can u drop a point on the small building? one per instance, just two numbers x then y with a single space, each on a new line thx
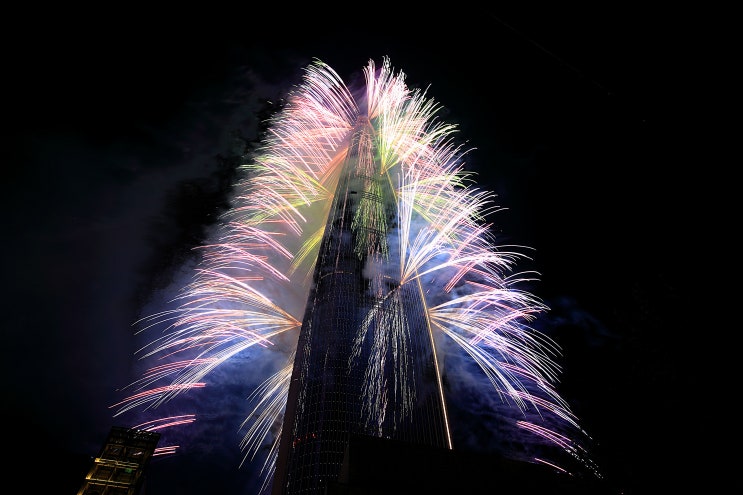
120 466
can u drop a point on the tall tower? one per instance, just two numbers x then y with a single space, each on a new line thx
365 361
354 238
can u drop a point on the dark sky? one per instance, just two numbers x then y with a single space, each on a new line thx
123 133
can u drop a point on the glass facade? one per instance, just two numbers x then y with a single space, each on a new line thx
365 361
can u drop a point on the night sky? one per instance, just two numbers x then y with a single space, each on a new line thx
124 134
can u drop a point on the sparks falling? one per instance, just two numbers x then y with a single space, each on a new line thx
267 248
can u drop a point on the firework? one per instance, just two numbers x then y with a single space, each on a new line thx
251 286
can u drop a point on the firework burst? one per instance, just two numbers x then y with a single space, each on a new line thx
251 285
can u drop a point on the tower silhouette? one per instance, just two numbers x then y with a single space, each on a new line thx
365 361
357 249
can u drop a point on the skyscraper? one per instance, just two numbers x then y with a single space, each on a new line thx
365 360
358 247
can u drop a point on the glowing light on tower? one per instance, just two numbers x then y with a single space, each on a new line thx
420 248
